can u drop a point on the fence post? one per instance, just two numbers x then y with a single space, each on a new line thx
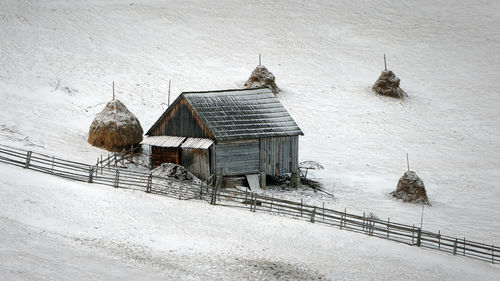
254 202
201 190
313 214
212 195
439 239
341 216
117 179
251 201
301 203
215 195
180 191
213 199
455 247
131 153
492 254
52 168
464 246
345 216
272 201
388 223
364 222
323 211
91 173
419 236
96 168
413 234
148 186
28 159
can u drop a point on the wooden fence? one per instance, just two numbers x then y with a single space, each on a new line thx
102 173
123 178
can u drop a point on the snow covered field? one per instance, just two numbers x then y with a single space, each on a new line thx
58 229
59 58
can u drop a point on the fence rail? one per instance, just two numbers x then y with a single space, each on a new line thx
114 176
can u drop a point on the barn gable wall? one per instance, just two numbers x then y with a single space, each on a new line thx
181 120
279 155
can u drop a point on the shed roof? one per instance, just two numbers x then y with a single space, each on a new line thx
183 142
198 143
164 141
242 113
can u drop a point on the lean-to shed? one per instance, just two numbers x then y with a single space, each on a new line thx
226 133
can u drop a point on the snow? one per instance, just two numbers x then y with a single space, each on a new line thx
59 59
71 230
115 114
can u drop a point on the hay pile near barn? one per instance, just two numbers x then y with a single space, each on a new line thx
388 85
411 189
261 77
178 172
115 128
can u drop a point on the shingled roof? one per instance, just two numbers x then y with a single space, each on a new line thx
242 113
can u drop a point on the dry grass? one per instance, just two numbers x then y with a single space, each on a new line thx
115 128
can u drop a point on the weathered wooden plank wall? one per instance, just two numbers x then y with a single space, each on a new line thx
237 157
197 162
181 120
161 155
279 155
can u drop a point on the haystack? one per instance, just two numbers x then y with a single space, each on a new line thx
411 189
388 85
115 128
261 77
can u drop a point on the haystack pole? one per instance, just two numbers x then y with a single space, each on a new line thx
169 83
388 84
261 77
115 128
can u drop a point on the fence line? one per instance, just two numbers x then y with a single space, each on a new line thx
182 190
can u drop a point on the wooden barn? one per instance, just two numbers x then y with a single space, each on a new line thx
228 133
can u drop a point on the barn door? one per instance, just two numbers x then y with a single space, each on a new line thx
197 161
161 155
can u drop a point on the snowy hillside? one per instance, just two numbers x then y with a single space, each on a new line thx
59 59
74 231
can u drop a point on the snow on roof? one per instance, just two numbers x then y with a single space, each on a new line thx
172 141
242 113
163 141
199 143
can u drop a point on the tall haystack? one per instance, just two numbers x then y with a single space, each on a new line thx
411 189
388 85
261 77
115 128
